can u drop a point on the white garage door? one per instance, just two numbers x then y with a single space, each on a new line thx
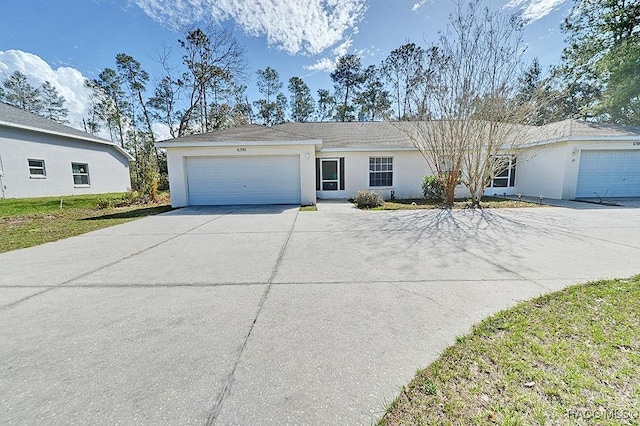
243 180
609 174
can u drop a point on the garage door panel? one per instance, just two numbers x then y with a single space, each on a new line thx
243 180
614 173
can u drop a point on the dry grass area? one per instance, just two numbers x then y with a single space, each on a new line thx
27 222
568 358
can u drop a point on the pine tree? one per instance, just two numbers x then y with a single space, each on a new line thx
53 104
301 101
21 94
347 78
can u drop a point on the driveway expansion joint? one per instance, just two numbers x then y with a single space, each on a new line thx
85 274
215 411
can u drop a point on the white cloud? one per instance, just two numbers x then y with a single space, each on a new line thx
532 10
418 5
324 64
308 26
327 65
342 48
161 131
68 81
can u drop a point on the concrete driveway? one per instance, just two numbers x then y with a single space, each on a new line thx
267 315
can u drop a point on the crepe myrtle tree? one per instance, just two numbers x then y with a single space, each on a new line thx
474 122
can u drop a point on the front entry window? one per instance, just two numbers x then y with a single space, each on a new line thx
330 174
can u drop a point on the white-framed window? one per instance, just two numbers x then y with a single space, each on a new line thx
36 168
80 173
380 171
506 178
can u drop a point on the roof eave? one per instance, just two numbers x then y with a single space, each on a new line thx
627 138
368 149
222 144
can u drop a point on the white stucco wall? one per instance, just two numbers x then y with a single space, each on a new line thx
552 171
176 159
540 171
409 169
108 168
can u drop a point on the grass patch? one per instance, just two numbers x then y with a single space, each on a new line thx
421 204
312 208
572 357
26 222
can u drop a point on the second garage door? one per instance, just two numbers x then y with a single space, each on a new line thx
609 174
243 180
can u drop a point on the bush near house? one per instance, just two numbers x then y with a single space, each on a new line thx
432 189
368 199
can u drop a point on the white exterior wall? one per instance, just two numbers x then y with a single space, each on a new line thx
540 171
409 169
552 171
108 168
176 159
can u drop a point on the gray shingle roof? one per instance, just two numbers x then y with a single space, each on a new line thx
389 135
11 116
248 133
332 135
584 129
372 134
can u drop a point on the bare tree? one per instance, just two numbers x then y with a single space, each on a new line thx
474 124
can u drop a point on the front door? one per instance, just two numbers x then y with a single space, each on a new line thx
329 174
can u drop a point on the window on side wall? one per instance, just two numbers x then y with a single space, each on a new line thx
380 171
80 174
36 169
506 178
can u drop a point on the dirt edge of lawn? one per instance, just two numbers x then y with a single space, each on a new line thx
570 357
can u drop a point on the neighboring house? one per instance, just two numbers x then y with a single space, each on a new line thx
39 157
297 163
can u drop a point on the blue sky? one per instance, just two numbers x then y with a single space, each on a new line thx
64 41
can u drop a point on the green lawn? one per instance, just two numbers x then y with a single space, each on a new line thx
571 357
27 222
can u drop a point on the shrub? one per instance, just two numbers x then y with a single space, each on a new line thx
432 188
104 203
368 199
129 198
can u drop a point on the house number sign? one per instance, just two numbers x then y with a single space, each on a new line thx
637 143
241 149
